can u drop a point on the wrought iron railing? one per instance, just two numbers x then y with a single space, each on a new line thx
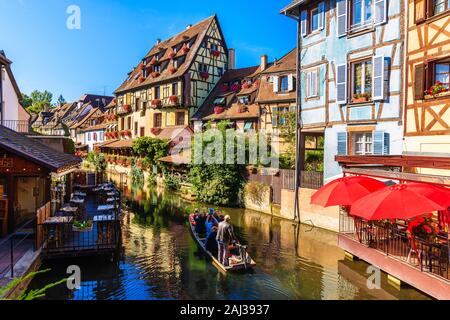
392 239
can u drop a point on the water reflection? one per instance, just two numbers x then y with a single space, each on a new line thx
161 260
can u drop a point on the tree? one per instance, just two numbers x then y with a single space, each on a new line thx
152 149
60 101
287 129
26 101
39 101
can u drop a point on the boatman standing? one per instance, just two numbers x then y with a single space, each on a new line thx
225 236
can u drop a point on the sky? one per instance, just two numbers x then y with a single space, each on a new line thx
115 35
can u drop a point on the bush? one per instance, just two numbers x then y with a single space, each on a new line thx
137 175
171 182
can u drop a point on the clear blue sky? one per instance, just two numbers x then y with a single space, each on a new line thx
116 34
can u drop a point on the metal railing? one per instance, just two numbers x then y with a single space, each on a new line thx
21 126
9 248
391 239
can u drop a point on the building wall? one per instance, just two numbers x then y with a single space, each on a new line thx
89 138
324 50
12 108
427 118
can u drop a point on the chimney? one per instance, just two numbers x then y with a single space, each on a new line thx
231 59
158 41
189 26
263 62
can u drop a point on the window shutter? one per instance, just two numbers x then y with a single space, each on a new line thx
420 9
276 86
419 77
342 145
378 77
381 143
274 117
341 83
321 7
291 82
315 83
380 12
341 9
304 23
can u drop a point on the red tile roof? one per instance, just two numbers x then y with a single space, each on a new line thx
196 32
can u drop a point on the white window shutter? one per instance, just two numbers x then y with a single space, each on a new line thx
315 83
378 77
290 82
308 84
380 12
276 86
321 7
381 143
341 13
304 23
341 83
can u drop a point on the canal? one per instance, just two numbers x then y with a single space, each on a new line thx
160 260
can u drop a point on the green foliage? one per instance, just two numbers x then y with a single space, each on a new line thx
288 134
151 149
26 101
70 146
287 161
60 101
32 294
97 160
255 191
314 160
171 182
151 180
39 101
137 175
218 184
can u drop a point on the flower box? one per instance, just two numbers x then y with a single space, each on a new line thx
85 226
156 103
224 88
155 131
141 79
127 108
173 99
128 134
246 85
141 66
153 61
204 75
236 87
185 48
172 70
172 54
360 100
215 53
156 74
218 110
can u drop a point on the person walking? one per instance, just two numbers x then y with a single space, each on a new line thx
225 237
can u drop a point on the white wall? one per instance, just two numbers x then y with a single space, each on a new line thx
10 98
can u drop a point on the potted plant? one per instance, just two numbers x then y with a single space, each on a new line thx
173 99
141 66
361 97
423 228
172 70
218 109
437 90
172 54
185 48
155 131
156 103
204 75
127 108
215 53
82 226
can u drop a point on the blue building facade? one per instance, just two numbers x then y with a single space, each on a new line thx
352 75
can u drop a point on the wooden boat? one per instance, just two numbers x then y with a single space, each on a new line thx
236 261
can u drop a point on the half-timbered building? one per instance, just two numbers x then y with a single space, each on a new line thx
351 54
427 128
172 81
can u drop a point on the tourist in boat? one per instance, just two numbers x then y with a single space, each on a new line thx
211 221
200 223
211 242
225 237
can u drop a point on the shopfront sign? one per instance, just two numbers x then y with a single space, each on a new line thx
6 163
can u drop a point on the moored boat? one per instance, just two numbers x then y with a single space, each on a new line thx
236 261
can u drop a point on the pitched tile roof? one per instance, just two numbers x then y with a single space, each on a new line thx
286 65
206 111
36 151
196 32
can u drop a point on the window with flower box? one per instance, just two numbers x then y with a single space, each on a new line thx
158 92
425 9
432 80
157 120
361 77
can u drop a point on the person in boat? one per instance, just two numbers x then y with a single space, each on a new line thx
225 237
200 223
211 221
211 242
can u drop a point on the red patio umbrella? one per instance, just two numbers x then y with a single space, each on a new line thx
395 202
437 194
345 191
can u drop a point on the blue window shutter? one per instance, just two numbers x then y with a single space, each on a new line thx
341 84
341 9
304 23
381 143
380 12
342 144
378 77
321 7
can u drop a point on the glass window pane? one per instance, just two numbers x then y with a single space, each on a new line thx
356 12
368 10
368 77
357 78
315 19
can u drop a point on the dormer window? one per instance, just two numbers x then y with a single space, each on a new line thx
220 101
244 100
214 47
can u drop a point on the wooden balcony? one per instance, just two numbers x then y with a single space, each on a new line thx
21 126
421 264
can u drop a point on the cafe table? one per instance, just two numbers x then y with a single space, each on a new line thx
105 208
60 226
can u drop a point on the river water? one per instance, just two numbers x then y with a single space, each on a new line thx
161 261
